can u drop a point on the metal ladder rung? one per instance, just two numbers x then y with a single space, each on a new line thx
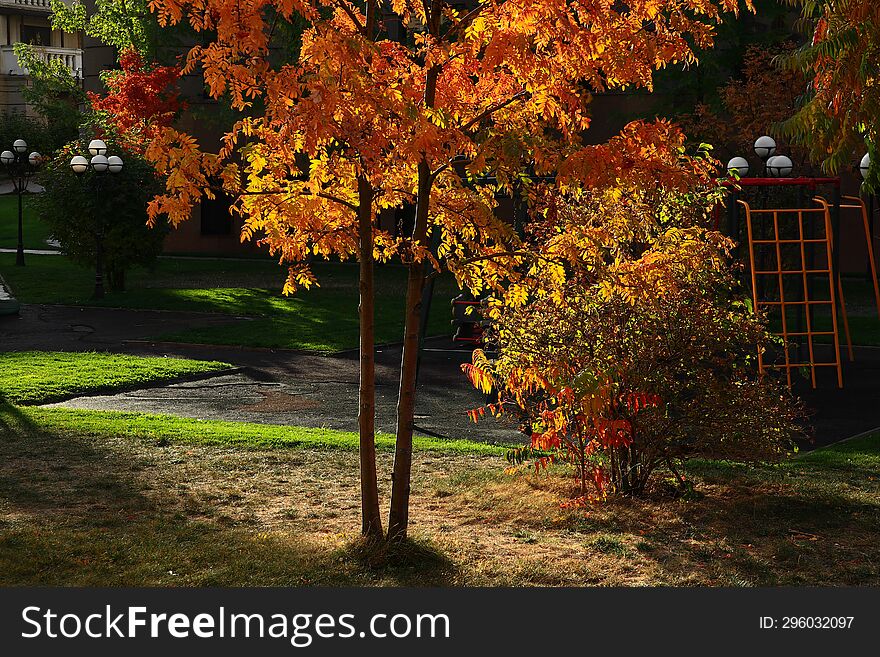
815 241
822 302
793 271
808 333
792 366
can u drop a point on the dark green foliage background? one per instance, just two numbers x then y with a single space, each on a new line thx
40 136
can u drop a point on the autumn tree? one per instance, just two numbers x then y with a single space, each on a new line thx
625 346
358 123
140 96
840 117
682 88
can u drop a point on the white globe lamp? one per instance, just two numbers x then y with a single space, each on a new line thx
765 147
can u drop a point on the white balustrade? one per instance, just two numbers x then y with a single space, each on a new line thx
42 5
71 58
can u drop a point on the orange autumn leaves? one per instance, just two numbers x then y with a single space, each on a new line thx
514 81
607 339
480 100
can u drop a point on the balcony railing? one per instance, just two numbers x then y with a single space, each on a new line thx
71 58
29 5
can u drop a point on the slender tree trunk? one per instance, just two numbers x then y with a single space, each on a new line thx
371 526
398 519
116 279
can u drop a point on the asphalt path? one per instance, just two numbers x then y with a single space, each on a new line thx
288 387
272 386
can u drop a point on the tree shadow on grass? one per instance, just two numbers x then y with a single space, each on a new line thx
750 535
411 561
87 511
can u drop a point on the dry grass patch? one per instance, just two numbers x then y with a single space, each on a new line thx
89 510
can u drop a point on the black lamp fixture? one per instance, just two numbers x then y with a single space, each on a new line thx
99 164
20 167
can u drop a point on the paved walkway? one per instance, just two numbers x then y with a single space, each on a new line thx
33 251
843 412
72 328
9 188
276 386
285 387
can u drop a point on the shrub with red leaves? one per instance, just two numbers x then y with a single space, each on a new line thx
141 99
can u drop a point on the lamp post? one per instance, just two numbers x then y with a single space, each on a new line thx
100 165
20 167
864 167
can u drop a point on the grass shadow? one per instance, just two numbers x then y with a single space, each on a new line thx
805 526
91 511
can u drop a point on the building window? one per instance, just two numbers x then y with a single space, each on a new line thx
215 217
36 36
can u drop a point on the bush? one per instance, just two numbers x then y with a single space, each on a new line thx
631 387
72 207
624 347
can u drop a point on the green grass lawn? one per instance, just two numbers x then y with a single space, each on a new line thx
41 377
35 231
106 498
169 429
323 319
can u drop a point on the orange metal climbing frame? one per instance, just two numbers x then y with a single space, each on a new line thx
822 217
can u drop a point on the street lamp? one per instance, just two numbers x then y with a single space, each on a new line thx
97 147
765 147
779 166
740 165
864 165
20 167
100 165
776 166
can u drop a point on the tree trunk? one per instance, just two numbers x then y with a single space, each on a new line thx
398 519
371 519
116 279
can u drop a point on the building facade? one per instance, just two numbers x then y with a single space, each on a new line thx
27 21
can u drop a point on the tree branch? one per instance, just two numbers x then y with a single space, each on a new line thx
489 111
344 6
465 20
324 195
